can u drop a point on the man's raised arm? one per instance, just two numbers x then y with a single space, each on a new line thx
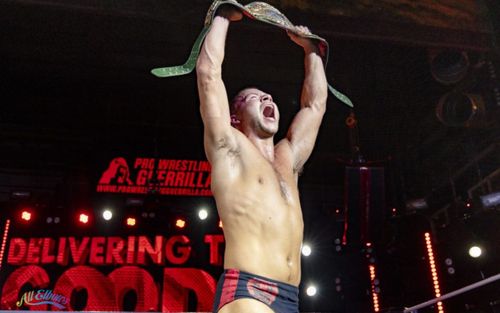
214 105
305 126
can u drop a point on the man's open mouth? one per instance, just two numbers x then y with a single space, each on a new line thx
268 111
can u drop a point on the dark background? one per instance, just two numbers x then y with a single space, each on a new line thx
76 92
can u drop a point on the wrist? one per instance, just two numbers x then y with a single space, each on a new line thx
229 13
311 47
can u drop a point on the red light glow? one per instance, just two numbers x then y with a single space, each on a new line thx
131 221
4 241
83 218
180 223
26 215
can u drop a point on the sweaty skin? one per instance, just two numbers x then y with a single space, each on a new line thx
254 181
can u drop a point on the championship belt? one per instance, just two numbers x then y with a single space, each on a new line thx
259 11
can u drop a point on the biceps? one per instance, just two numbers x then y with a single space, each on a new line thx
305 125
219 137
214 108
213 98
303 133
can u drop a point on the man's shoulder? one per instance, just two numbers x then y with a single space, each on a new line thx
283 146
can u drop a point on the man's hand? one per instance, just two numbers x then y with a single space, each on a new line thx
230 12
297 36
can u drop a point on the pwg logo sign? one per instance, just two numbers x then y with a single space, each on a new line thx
164 176
42 296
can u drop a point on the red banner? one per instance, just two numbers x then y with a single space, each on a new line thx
130 259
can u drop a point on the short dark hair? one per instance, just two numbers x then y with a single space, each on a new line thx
234 105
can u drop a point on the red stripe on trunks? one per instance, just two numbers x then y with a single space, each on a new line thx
229 287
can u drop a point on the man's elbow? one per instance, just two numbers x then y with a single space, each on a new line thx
318 105
206 72
320 111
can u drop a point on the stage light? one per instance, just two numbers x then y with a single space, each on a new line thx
131 221
20 194
458 109
53 219
83 218
26 215
306 250
220 224
135 202
491 200
374 287
180 223
475 251
107 215
338 247
311 291
417 204
4 241
394 210
449 266
338 285
203 214
434 274
148 214
448 66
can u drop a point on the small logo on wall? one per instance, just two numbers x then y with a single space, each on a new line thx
42 296
117 173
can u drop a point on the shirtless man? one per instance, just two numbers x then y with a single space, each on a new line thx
254 181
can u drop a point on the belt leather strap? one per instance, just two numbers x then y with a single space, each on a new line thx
260 11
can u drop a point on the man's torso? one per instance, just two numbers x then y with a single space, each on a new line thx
259 206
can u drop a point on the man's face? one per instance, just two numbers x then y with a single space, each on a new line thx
257 112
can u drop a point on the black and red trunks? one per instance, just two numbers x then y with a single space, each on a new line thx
234 284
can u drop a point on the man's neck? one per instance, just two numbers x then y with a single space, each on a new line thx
265 146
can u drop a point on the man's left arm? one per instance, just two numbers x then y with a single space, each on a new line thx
305 125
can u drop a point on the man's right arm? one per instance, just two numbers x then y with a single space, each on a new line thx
214 105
